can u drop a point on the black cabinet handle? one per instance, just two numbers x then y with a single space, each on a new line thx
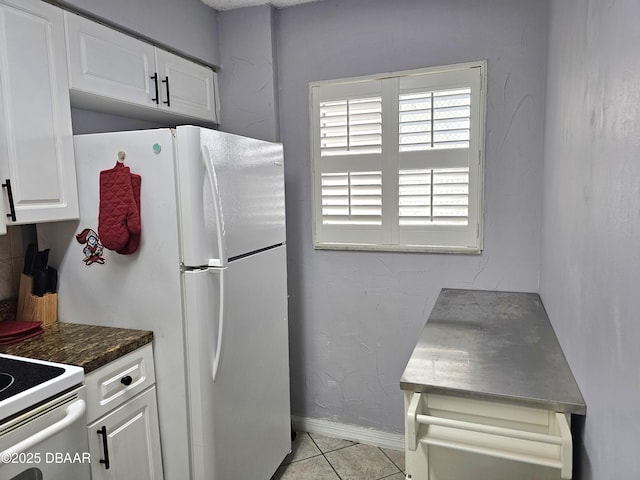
7 185
154 77
168 102
105 448
126 380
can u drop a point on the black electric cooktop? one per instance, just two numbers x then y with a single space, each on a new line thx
19 375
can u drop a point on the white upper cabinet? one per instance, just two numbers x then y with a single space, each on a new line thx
37 165
104 61
114 72
185 86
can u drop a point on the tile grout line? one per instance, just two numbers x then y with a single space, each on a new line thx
390 459
392 463
348 446
325 457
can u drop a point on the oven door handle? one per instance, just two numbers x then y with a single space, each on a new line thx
74 412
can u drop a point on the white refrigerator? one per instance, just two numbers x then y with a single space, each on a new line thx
208 278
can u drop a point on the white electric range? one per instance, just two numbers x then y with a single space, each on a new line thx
43 432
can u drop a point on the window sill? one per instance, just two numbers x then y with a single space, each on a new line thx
399 248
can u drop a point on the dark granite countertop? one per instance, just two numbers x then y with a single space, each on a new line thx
86 346
496 346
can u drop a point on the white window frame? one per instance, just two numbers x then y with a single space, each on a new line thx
389 235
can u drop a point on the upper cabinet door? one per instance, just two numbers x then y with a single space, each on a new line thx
110 63
114 72
186 87
36 147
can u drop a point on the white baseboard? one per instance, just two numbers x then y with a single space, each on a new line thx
368 436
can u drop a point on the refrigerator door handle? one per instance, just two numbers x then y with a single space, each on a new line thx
211 175
218 357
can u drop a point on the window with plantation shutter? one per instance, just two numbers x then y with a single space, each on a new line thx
397 160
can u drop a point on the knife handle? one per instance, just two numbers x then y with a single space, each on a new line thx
29 259
52 280
39 283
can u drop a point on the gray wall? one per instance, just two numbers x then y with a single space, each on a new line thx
11 263
591 221
355 316
185 26
248 78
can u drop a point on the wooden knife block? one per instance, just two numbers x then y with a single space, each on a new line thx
33 308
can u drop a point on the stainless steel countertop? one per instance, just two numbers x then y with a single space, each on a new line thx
496 346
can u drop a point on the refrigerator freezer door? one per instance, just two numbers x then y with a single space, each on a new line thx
240 423
247 190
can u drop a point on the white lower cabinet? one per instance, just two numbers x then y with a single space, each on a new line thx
127 441
122 411
450 437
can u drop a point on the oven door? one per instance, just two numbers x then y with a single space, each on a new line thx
48 442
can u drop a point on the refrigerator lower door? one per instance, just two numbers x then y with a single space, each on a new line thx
239 422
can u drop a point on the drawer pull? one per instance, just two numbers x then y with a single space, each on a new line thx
126 380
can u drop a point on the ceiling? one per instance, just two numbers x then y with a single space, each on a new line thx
231 4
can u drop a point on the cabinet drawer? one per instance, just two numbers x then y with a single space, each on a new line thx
119 381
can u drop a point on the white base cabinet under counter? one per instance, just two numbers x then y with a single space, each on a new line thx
122 416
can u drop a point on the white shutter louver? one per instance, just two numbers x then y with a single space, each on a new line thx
351 126
352 198
434 197
435 119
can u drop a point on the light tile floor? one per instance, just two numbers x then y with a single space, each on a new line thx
316 457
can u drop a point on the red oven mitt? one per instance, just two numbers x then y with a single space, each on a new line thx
134 238
119 216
